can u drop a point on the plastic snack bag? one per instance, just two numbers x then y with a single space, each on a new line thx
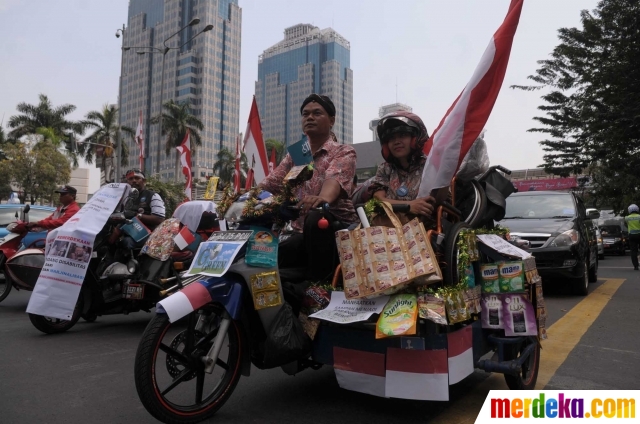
431 307
399 317
262 249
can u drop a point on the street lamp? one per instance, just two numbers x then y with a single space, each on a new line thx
117 155
164 52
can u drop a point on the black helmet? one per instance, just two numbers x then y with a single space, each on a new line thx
402 122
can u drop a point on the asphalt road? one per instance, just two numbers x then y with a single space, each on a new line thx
86 374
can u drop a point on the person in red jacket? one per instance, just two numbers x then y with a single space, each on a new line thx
66 210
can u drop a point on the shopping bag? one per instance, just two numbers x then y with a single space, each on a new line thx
381 260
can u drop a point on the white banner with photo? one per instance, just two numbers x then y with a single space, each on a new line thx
68 252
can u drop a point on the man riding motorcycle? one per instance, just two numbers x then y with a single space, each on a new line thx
66 210
148 207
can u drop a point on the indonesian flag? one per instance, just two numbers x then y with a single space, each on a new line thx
236 173
250 174
254 144
360 371
187 300
417 374
460 354
184 150
272 161
184 238
469 113
140 141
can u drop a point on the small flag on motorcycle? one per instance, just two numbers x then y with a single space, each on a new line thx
184 238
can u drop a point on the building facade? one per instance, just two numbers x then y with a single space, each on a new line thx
308 60
204 72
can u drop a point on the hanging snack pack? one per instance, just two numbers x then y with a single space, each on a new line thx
471 276
431 307
399 317
490 278
492 311
382 260
265 287
511 277
518 315
262 249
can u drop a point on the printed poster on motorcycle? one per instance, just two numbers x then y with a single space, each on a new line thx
68 252
214 258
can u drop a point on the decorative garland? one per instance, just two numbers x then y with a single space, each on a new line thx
372 208
467 251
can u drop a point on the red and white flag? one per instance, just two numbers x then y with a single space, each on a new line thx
236 172
469 113
184 150
360 371
417 374
254 144
184 238
272 161
460 354
187 300
140 142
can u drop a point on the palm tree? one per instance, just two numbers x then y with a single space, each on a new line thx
104 124
281 150
176 120
226 165
44 115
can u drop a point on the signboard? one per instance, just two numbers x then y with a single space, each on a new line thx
67 254
343 311
546 184
212 187
300 152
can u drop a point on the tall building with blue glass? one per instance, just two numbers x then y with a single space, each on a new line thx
204 72
308 60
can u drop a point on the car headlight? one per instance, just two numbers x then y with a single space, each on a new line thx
617 239
567 238
599 240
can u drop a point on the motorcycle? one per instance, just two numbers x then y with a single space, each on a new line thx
122 287
10 246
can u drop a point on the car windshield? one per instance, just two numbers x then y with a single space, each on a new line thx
8 215
540 206
610 230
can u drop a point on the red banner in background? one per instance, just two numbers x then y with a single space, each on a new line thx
546 184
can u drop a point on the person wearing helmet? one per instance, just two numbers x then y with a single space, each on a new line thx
633 223
402 136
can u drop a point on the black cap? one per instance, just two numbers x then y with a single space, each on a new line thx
323 101
67 189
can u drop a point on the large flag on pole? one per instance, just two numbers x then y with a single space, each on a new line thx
272 161
184 150
469 113
250 174
236 172
140 142
254 144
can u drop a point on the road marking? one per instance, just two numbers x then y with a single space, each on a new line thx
616 267
564 335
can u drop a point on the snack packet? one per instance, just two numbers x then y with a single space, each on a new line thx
471 276
511 277
262 249
490 278
315 299
399 317
518 315
265 289
431 307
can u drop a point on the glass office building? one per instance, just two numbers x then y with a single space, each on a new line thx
308 60
204 72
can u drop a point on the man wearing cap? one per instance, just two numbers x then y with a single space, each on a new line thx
334 166
66 210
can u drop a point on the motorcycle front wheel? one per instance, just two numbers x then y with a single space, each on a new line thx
49 325
5 282
170 375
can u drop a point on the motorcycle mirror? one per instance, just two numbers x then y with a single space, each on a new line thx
132 266
16 215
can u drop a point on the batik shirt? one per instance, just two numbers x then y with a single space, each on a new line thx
399 184
331 161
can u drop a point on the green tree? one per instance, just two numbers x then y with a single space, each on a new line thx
36 167
225 166
281 149
176 120
104 127
591 113
171 193
45 115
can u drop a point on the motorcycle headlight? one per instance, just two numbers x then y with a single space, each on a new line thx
567 238
600 240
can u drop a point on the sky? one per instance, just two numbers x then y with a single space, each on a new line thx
417 52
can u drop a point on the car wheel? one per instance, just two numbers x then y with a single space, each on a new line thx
593 273
581 284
